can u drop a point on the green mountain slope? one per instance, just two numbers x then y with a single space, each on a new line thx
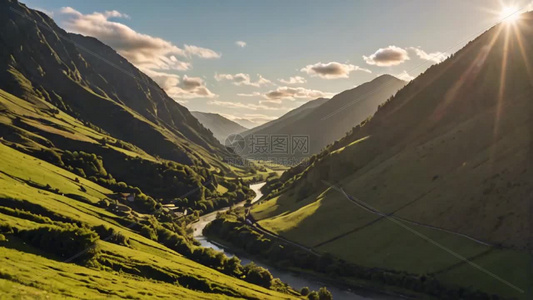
440 173
113 259
348 109
88 158
218 125
39 59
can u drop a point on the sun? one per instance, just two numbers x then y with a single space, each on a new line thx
510 14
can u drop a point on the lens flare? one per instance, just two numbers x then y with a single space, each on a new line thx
510 14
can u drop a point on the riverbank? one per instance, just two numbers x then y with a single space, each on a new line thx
295 278
231 228
340 288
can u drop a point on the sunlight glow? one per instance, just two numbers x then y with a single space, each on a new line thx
510 14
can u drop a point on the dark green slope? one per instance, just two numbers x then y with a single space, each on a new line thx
91 81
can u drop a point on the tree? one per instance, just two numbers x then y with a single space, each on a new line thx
233 266
324 294
312 296
258 275
304 291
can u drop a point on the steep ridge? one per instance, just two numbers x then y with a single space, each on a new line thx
218 125
89 80
349 108
450 156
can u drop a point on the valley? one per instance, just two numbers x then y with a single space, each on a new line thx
185 150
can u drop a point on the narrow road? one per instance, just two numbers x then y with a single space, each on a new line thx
391 215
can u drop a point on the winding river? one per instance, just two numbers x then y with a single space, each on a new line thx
296 280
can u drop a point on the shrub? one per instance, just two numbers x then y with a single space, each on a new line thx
313 296
304 291
72 242
324 294
258 275
110 235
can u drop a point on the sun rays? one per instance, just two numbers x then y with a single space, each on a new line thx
510 14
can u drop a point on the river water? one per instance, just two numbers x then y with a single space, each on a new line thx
295 280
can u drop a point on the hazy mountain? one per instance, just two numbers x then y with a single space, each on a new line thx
288 118
245 122
450 157
325 121
219 126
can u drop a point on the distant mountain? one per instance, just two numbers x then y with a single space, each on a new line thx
323 121
245 123
288 118
446 166
219 126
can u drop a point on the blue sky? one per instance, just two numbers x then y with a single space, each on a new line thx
321 44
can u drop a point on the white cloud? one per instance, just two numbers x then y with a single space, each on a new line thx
164 80
243 79
200 52
293 80
332 70
435 57
405 76
152 55
250 106
143 50
190 88
254 94
389 56
241 44
291 93
180 90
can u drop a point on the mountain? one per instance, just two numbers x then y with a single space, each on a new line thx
325 121
39 59
245 122
92 155
55 222
219 126
288 118
440 174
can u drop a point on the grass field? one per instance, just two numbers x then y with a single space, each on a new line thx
328 223
28 271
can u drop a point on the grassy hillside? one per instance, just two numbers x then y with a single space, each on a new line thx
35 194
86 78
447 162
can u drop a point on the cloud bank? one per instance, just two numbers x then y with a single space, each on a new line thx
435 57
243 79
293 80
144 51
332 70
389 56
291 93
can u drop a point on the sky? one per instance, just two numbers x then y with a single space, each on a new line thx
253 61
